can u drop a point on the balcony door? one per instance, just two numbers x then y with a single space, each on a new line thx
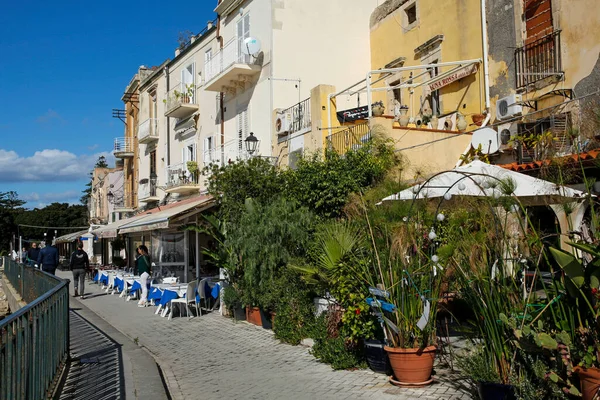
243 33
187 82
538 19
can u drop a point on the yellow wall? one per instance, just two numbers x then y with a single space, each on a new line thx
460 23
430 155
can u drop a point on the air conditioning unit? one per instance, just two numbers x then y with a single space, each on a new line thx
283 122
506 133
508 107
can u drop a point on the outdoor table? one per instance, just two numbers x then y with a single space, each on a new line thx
165 292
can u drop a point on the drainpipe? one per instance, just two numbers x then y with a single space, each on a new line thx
168 121
221 102
486 76
486 69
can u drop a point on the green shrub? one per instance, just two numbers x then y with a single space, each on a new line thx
231 297
295 316
337 353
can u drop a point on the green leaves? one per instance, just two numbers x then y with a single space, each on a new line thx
573 270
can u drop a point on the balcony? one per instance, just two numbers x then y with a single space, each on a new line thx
228 153
295 119
229 69
180 180
148 131
539 61
351 138
147 192
123 147
122 202
181 101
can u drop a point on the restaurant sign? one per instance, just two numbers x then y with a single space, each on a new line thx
455 76
353 114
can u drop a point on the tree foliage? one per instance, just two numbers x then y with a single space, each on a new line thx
9 206
55 214
87 192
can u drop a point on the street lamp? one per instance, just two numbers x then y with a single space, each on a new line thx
251 143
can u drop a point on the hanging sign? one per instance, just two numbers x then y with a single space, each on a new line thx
353 114
448 79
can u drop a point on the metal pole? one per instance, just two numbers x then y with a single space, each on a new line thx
20 248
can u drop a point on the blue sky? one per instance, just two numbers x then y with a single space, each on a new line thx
63 67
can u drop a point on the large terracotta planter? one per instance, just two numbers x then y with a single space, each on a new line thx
253 315
590 381
412 367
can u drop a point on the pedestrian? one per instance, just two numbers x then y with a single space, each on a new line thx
33 254
142 263
79 263
48 259
23 255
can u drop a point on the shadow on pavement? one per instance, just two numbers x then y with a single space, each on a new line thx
95 370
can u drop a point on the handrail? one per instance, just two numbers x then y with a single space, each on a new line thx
34 341
349 138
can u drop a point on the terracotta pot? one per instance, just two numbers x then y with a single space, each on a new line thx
590 381
412 366
403 120
478 119
461 122
448 124
253 315
377 110
434 121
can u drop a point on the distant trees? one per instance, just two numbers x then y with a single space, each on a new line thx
9 206
55 214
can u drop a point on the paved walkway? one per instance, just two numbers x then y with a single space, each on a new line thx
212 357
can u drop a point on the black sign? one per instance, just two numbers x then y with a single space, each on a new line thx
353 114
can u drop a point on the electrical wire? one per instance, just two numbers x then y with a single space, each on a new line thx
55 227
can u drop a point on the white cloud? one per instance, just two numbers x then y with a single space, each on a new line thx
51 197
48 165
93 147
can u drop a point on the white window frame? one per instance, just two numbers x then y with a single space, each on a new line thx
242 31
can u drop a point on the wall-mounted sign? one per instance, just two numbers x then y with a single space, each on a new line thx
352 114
448 79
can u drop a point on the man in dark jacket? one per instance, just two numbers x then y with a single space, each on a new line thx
48 259
79 264
33 253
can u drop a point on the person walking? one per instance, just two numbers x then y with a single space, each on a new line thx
33 254
142 263
48 259
23 256
79 263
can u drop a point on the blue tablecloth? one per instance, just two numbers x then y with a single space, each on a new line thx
104 279
135 287
155 294
167 296
96 277
119 283
215 291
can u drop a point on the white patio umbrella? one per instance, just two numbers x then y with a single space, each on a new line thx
479 179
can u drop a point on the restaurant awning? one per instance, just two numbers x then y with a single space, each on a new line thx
167 217
110 230
70 237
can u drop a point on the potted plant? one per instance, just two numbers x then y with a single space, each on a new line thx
231 298
378 108
192 167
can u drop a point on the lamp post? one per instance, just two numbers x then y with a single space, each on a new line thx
251 144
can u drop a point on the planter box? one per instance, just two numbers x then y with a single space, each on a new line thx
253 315
267 319
239 314
377 357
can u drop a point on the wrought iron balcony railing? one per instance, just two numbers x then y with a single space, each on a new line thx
538 60
299 115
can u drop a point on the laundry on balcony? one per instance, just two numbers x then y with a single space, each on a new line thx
184 124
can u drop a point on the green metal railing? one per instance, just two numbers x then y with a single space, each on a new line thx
34 341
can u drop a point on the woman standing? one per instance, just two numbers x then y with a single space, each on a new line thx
143 266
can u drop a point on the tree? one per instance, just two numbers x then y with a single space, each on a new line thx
87 192
9 206
55 214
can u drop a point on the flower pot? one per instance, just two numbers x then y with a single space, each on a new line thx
434 121
378 110
461 122
412 366
266 319
448 124
495 391
590 381
419 121
478 119
239 314
377 357
403 119
253 315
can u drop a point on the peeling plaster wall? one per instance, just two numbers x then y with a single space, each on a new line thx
502 42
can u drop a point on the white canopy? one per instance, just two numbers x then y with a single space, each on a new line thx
480 179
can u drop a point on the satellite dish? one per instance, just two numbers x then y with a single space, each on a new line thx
487 138
251 46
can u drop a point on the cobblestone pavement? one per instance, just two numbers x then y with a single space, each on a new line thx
212 357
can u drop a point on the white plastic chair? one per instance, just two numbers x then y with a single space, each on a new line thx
170 280
190 298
